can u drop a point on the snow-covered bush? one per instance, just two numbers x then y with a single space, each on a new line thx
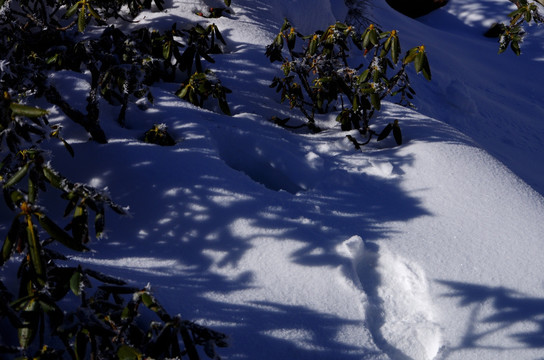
66 311
329 73
39 37
55 312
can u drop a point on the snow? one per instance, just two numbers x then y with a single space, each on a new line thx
297 245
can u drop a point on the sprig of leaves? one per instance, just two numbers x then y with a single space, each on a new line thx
321 74
512 35
84 11
201 86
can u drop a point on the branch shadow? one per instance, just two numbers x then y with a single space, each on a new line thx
475 16
196 219
510 309
200 209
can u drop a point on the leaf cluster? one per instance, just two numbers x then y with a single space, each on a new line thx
122 65
39 37
511 35
106 322
201 86
159 135
329 72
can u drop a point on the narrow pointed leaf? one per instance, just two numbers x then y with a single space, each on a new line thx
81 21
72 10
167 50
94 13
385 132
224 106
57 233
375 101
11 240
410 55
75 283
30 323
68 147
32 189
35 251
26 110
397 134
18 176
80 225
126 352
53 177
395 50
313 45
418 61
425 68
373 37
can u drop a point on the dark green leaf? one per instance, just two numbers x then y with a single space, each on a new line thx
18 176
28 111
425 68
57 233
373 37
30 323
285 25
515 47
189 344
291 39
94 13
15 199
395 49
99 222
68 147
219 36
35 251
167 50
126 352
224 106
385 132
375 101
72 10
397 134
11 240
75 283
183 92
410 55
418 61
72 203
81 20
313 45
80 224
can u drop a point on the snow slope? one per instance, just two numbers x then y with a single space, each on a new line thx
300 247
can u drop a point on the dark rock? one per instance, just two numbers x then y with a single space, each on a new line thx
416 8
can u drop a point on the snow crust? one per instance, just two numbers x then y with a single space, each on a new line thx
300 247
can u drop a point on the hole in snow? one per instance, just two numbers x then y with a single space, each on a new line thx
242 155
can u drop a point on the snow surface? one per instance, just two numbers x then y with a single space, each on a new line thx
300 247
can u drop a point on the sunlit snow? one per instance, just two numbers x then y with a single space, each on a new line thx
298 246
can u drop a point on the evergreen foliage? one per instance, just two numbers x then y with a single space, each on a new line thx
328 72
39 37
512 34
